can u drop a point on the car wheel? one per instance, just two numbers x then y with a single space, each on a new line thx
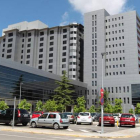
91 123
65 127
113 125
56 126
33 125
24 124
99 124
133 126
78 123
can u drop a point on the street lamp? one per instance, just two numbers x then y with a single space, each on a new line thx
20 92
102 106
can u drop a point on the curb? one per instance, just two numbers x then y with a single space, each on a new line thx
72 135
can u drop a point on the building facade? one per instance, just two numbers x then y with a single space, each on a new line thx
35 84
119 37
55 49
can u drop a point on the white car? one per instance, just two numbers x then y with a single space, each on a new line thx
84 117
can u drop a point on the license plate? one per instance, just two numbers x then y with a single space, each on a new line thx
83 120
25 115
106 122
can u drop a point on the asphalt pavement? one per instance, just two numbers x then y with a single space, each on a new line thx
75 132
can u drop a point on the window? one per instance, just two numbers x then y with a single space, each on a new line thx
51 49
39 67
64 66
2 55
51 55
22 45
22 40
50 60
51 37
127 88
116 90
42 39
128 100
64 30
63 59
112 89
21 56
41 33
28 51
123 89
10 34
3 50
28 45
92 83
52 32
64 48
120 89
9 51
10 40
28 56
65 42
21 51
29 34
124 101
27 62
23 35
51 43
50 66
40 61
64 36
29 39
40 55
64 54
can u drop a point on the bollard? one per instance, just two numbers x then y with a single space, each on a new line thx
139 120
117 123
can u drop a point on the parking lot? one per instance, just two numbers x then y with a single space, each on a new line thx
85 128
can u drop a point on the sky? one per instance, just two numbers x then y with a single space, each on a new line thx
58 12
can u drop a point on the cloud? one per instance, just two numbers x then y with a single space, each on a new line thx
64 23
112 6
65 18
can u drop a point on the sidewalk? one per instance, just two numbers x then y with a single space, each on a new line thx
119 134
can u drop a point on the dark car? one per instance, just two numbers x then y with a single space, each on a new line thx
21 116
96 118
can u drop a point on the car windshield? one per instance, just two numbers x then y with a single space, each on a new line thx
63 116
108 115
115 114
23 111
68 113
84 114
93 114
37 113
126 115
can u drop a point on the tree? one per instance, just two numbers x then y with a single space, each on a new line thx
137 109
24 105
63 92
50 105
92 109
39 106
106 101
109 108
118 106
131 111
60 107
3 105
80 107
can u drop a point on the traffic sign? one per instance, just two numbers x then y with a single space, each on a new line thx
102 96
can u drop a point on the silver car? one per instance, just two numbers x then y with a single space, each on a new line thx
51 119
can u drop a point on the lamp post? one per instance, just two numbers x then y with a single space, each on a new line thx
102 106
20 92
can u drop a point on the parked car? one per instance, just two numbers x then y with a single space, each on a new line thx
37 114
21 116
0 111
108 119
98 115
84 117
71 116
93 116
51 119
127 119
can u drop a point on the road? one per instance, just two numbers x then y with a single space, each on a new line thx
28 136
